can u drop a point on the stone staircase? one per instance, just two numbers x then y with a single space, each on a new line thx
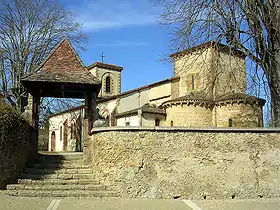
58 175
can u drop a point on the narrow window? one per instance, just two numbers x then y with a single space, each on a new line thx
230 123
157 121
192 82
60 133
171 123
127 124
108 85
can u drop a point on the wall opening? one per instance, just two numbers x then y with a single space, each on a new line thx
230 123
171 123
65 135
157 122
127 124
72 131
60 133
108 84
53 141
192 82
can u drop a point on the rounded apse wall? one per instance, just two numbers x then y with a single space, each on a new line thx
238 115
188 115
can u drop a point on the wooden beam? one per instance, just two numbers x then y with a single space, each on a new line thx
91 110
35 115
35 110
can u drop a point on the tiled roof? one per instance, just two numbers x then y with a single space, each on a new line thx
147 108
200 98
77 77
105 66
197 98
62 65
240 96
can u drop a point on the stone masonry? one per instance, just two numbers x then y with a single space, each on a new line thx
17 143
187 163
58 175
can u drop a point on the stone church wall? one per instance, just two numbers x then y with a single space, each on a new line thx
230 73
242 115
148 119
17 143
136 100
187 163
210 68
189 116
197 64
115 81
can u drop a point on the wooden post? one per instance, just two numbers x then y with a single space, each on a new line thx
35 115
91 110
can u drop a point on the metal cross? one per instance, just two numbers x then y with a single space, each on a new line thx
102 57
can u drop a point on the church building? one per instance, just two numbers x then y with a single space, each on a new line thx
208 89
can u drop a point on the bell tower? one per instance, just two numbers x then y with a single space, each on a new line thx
110 77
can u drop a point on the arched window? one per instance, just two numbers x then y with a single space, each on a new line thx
192 82
157 122
230 123
60 133
108 84
53 141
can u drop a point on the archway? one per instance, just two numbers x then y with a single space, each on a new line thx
63 75
53 141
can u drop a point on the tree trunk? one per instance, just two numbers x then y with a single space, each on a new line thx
274 83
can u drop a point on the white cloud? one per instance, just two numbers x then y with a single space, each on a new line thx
107 14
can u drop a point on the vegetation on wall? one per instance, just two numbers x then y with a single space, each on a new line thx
16 143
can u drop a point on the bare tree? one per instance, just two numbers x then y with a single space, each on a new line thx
29 29
251 26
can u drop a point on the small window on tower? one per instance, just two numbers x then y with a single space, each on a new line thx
193 82
230 123
108 85
157 121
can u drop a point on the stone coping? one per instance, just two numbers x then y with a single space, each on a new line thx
184 129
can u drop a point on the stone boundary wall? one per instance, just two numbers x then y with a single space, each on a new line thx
191 163
17 144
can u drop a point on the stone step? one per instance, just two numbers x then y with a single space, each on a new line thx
58 171
61 156
61 193
57 165
58 181
55 187
50 161
55 176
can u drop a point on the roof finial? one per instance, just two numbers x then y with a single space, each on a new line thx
102 57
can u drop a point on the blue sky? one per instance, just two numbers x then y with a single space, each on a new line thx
128 33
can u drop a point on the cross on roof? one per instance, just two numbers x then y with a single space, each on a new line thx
102 57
